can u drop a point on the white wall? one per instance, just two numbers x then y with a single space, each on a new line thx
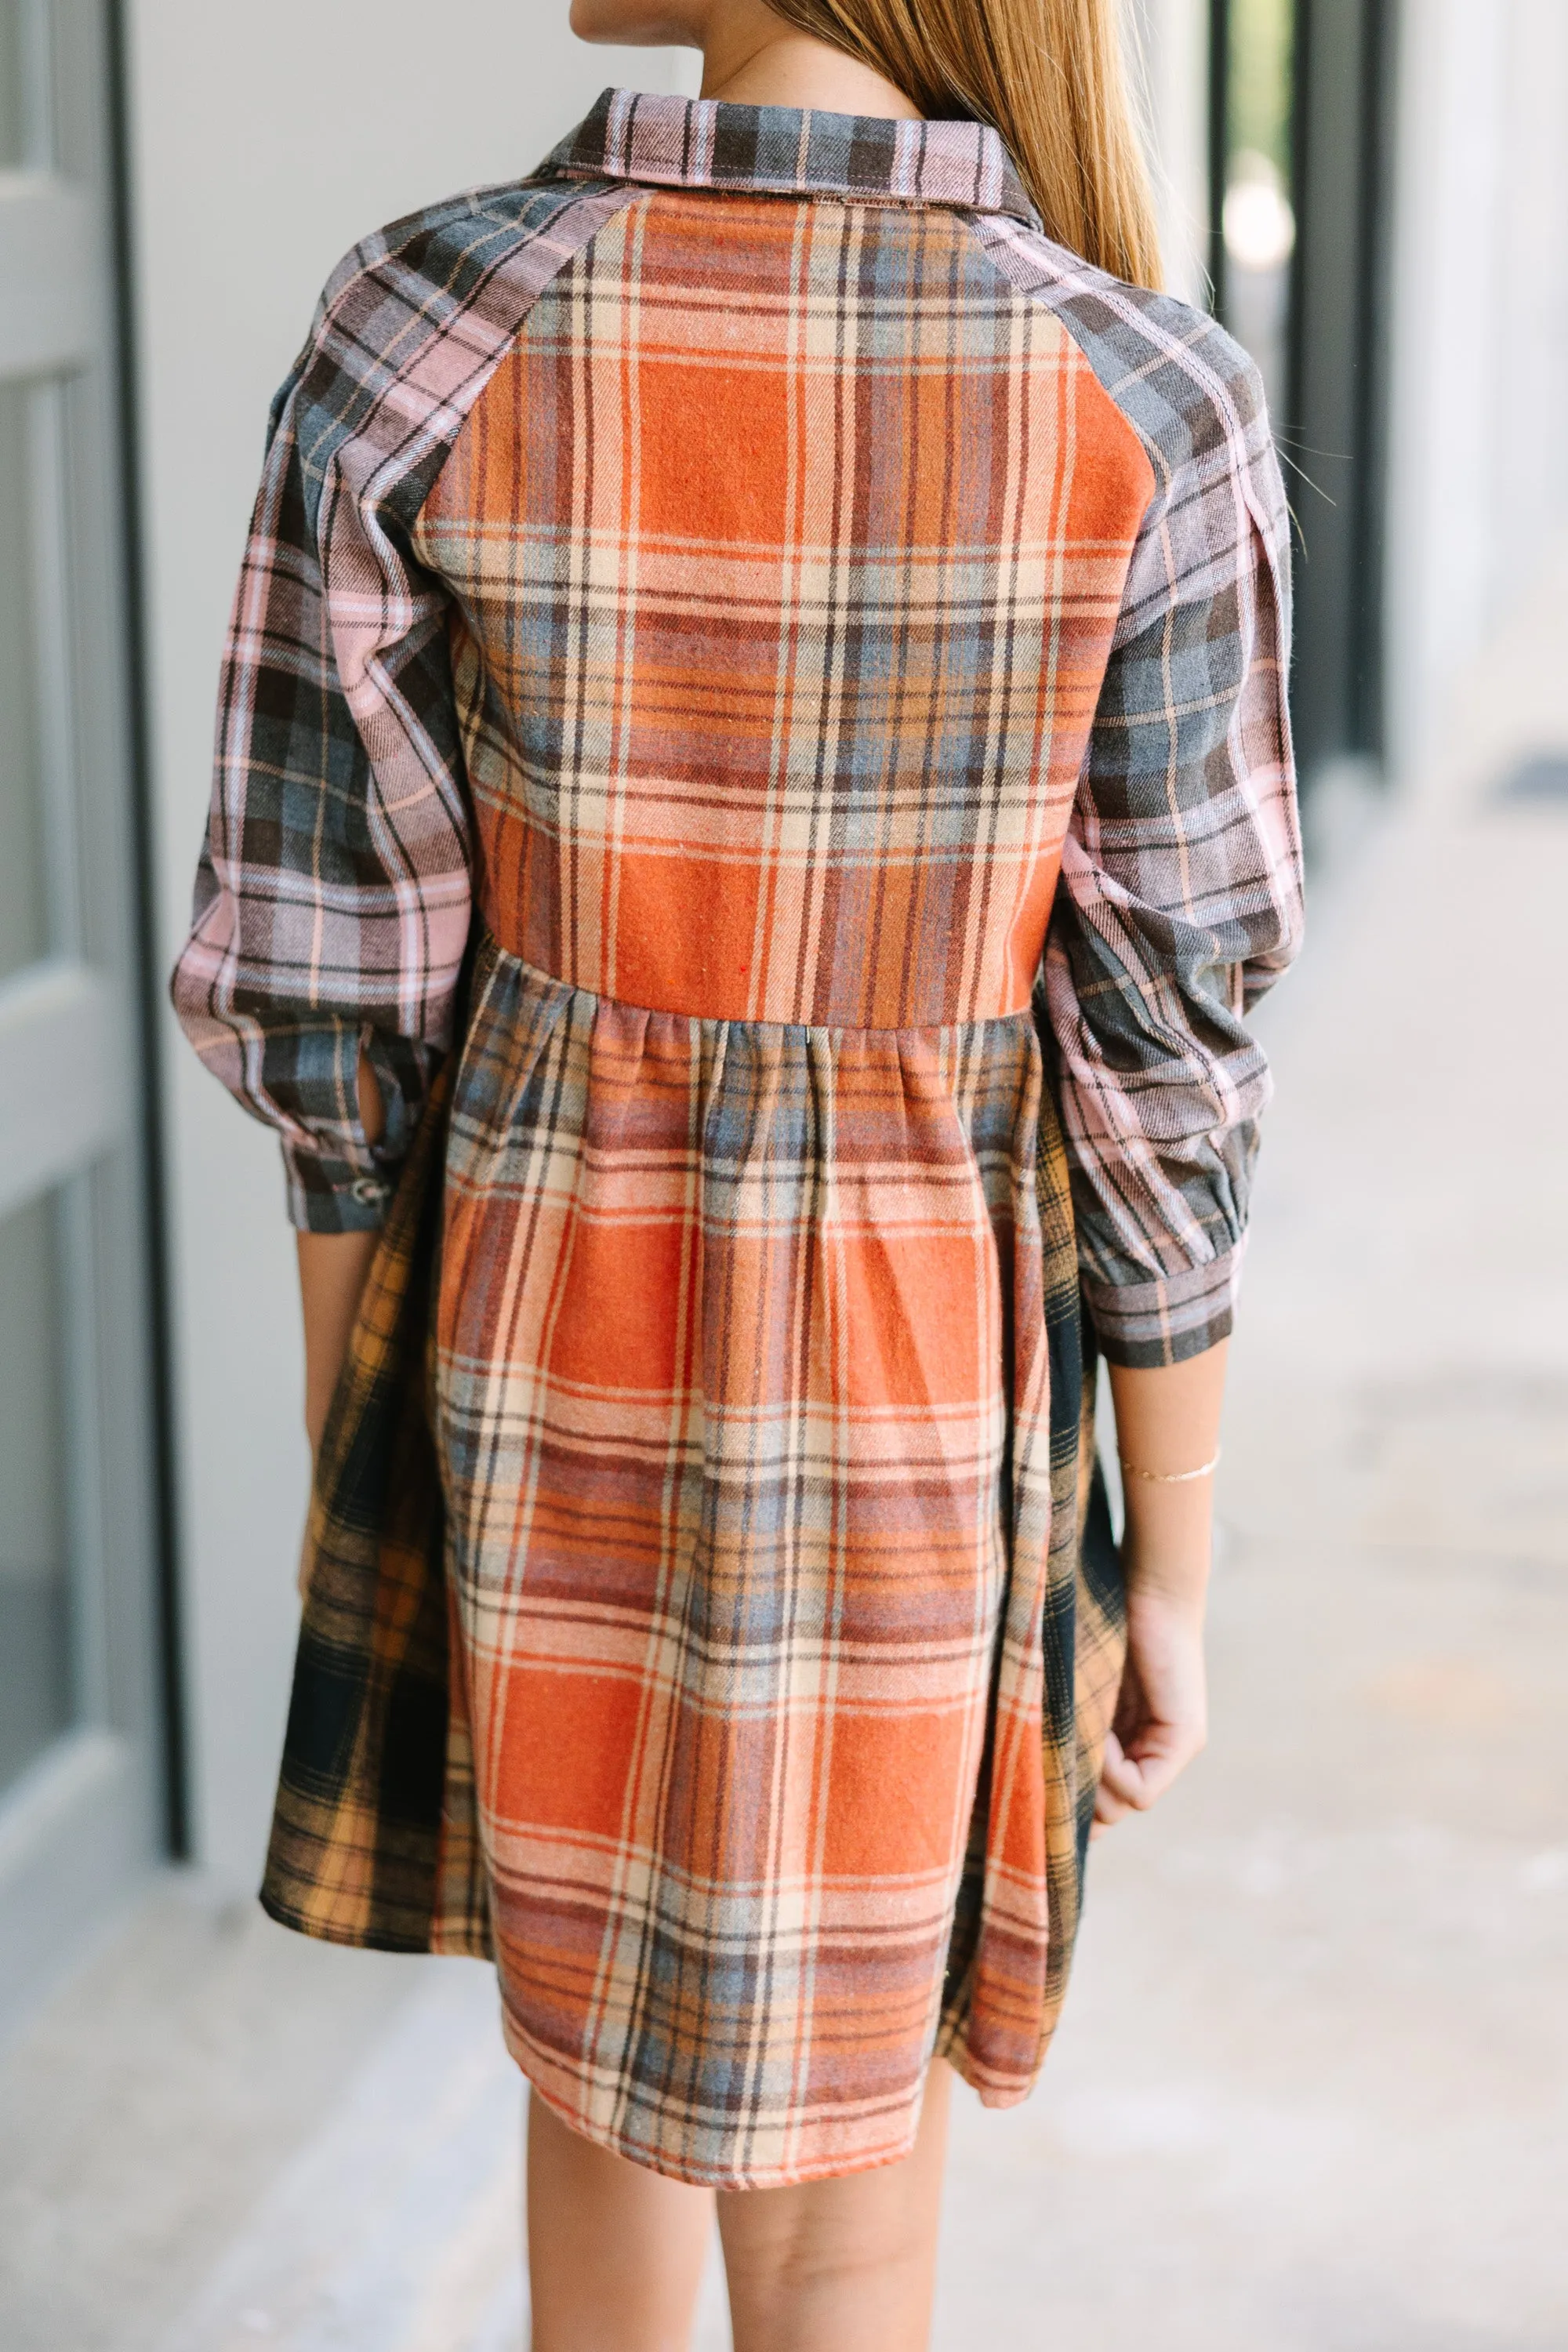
1479 467
267 139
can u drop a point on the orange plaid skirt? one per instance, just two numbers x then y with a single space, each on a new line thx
745 1694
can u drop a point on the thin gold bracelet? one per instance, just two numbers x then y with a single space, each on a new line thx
1174 1477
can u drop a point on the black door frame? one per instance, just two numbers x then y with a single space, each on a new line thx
1334 431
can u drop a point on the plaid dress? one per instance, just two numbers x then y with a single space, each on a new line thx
756 698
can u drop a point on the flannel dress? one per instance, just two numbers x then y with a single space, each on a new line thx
756 698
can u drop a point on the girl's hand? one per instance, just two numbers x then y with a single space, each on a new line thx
1162 1714
1168 1425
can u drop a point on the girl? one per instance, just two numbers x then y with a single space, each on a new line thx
753 744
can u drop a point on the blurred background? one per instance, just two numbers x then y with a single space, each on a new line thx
1312 2090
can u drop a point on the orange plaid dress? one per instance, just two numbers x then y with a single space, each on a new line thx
731 580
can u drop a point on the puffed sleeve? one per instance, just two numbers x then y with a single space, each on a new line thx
332 894
1181 891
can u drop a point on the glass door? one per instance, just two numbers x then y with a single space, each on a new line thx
1300 93
81 1749
1253 165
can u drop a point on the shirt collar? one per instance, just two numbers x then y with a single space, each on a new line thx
785 151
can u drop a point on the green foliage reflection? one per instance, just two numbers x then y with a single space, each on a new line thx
1261 80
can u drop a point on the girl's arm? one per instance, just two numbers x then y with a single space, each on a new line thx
332 1271
1167 1423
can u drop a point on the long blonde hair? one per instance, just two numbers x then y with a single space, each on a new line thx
1047 74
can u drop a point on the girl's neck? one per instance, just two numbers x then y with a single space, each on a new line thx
755 59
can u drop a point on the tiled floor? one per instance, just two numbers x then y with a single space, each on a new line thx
1312 2091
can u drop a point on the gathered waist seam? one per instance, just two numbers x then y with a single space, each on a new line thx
489 945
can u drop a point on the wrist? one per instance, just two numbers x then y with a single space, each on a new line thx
1168 1567
1175 1600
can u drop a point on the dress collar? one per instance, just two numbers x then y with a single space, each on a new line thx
785 150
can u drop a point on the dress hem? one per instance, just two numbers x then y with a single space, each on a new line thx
699 2176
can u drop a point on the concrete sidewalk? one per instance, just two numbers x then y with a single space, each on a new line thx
1311 2095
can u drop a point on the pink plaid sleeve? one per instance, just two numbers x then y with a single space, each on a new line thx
1181 892
332 900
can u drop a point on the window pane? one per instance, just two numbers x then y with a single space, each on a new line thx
35 1566
13 104
23 898
1259 220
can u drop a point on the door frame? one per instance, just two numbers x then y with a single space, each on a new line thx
1346 76
86 1820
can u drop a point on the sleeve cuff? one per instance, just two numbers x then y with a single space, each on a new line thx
1145 1325
333 1196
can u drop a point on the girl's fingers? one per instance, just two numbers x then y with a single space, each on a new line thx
1108 1807
1159 1724
1135 1782
1121 1775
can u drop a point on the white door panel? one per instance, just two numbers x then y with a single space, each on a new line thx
80 1762
66 1049
51 307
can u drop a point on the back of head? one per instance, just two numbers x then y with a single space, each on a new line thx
1047 74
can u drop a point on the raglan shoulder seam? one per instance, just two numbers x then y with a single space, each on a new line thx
979 224
501 205
410 326
1177 335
